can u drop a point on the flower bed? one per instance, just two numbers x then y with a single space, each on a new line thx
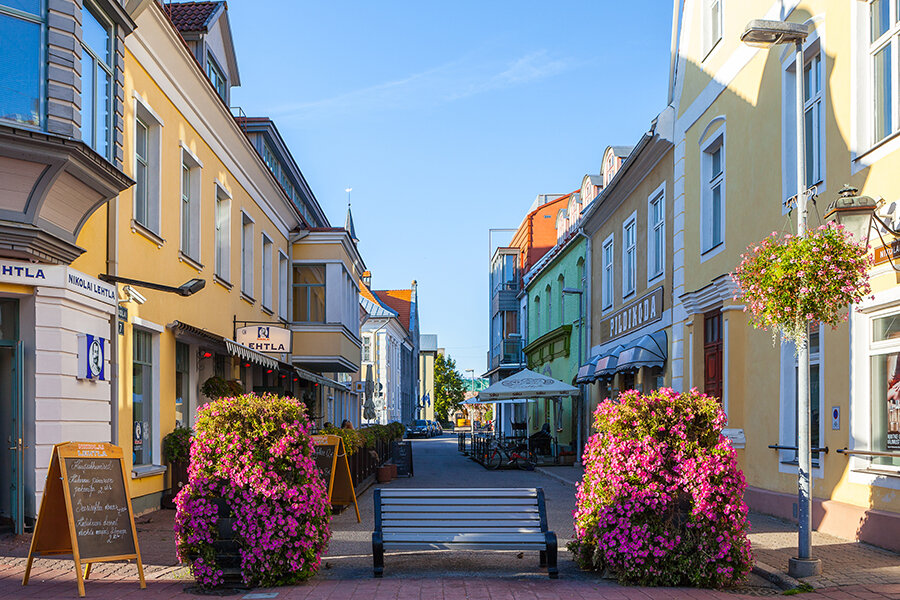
253 457
661 500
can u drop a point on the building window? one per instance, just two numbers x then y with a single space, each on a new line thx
548 293
537 315
22 68
282 286
712 25
561 282
608 272
629 256
96 81
813 121
815 395
142 397
309 293
884 28
367 349
216 77
182 383
223 234
884 359
147 134
246 254
656 233
712 213
267 250
190 205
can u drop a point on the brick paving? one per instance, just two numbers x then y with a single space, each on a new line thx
346 572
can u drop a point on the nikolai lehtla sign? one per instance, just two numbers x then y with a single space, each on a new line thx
265 338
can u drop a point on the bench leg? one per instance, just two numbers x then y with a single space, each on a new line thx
550 554
378 554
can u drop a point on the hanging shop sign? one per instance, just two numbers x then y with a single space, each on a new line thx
642 311
265 338
890 252
91 357
58 276
86 510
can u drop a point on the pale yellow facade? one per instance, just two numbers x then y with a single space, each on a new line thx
739 101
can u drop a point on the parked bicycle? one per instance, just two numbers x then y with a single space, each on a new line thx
510 454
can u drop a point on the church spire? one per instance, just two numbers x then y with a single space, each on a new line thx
349 224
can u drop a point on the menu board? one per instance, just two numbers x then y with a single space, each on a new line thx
86 510
99 507
401 454
331 459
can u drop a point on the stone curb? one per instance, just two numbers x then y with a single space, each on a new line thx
776 576
549 473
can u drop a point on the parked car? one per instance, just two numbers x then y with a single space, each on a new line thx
439 430
418 428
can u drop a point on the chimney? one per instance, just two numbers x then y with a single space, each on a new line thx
367 278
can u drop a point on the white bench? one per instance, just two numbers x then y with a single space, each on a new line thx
462 519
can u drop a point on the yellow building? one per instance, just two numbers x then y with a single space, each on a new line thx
733 172
219 200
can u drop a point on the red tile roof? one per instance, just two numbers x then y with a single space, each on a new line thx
191 16
400 301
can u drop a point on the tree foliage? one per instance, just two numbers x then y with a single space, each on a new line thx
449 387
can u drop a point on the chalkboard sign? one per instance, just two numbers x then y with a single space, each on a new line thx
401 454
86 509
331 459
99 507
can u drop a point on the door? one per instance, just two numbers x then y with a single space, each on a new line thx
12 465
712 354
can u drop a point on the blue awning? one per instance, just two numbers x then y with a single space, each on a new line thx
586 371
648 351
606 366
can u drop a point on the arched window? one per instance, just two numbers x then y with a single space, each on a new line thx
537 314
561 280
547 293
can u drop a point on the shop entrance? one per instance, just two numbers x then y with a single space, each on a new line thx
12 422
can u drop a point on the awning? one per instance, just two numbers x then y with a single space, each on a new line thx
586 371
197 334
313 377
526 384
648 351
477 402
247 354
606 366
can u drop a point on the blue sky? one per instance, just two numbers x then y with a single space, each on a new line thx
447 119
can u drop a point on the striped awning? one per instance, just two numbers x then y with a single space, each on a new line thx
247 354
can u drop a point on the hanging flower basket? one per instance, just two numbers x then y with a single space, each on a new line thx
789 282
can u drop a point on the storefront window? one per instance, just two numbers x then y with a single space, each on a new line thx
182 379
885 388
142 397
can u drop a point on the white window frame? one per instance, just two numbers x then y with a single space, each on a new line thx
367 348
267 249
222 235
656 233
629 256
708 183
247 227
284 271
144 114
712 26
548 291
787 430
608 262
193 197
537 315
814 47
561 281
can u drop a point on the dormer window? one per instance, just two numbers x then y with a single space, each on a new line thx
216 77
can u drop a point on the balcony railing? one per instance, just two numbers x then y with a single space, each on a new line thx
507 352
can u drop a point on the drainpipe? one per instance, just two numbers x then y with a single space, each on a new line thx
583 420
112 267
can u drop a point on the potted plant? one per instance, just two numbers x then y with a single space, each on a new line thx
176 448
218 387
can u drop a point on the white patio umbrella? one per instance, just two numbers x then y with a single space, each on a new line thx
526 384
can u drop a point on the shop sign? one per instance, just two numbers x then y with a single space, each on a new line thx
58 276
642 311
265 338
91 357
887 253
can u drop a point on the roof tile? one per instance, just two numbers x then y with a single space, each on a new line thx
191 16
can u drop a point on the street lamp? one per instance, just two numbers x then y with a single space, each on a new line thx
765 34
472 371
579 421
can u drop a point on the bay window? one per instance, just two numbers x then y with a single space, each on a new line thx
22 68
309 293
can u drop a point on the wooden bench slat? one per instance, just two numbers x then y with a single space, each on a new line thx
459 493
468 538
460 523
461 515
457 501
447 508
518 546
437 529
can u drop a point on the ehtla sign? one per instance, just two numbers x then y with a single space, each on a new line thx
265 338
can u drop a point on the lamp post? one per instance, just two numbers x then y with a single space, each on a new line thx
579 421
472 371
766 34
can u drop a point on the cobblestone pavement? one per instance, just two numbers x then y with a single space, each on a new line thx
347 574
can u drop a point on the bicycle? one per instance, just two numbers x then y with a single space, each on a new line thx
509 455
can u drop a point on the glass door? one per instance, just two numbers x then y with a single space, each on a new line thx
12 421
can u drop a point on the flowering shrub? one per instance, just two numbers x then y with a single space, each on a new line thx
790 282
660 502
255 454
